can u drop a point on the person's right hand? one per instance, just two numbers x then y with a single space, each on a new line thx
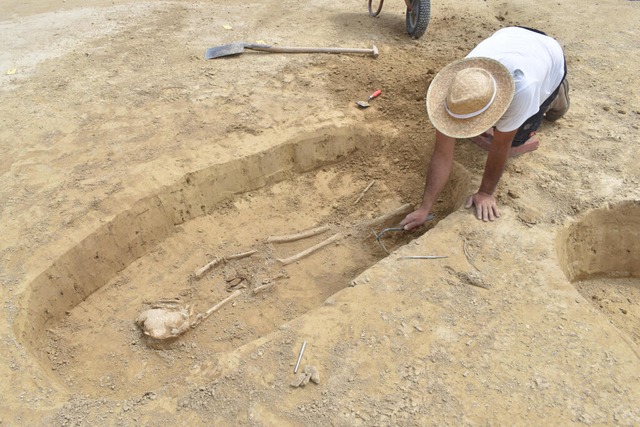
415 219
486 207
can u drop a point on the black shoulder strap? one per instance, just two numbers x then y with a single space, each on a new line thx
532 29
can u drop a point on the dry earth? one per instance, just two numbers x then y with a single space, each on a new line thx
128 161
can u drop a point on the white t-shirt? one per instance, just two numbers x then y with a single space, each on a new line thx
536 63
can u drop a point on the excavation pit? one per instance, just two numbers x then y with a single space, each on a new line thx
79 314
600 255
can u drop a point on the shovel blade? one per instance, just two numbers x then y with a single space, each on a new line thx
225 50
363 104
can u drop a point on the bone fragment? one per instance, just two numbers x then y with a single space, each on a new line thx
240 255
364 191
203 270
268 284
165 302
202 316
298 236
310 250
221 303
466 253
236 283
263 288
402 210
241 286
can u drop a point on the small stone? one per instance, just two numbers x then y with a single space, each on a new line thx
313 373
305 380
297 382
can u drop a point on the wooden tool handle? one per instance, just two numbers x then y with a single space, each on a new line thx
282 49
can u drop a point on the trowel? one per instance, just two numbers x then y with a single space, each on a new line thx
365 104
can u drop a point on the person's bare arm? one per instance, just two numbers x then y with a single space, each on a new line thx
485 203
437 176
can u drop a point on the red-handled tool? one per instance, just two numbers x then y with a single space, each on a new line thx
365 104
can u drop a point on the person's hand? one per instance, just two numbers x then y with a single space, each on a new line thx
486 207
415 219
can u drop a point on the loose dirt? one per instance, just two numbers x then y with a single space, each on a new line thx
129 162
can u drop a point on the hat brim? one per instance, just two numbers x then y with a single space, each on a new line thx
467 128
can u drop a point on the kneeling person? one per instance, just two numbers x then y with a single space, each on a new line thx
498 94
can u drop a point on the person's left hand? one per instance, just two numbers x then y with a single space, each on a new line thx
486 207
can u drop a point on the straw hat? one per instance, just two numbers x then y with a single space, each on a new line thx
469 96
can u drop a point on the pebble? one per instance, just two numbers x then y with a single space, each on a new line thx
313 373
298 380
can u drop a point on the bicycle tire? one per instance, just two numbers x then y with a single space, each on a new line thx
418 19
371 8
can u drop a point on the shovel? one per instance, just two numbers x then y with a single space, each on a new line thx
239 47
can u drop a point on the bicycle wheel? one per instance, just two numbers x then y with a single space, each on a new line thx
418 18
374 9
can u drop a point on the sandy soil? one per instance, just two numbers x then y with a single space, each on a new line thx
129 161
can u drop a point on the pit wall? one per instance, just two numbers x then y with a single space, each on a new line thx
94 261
606 242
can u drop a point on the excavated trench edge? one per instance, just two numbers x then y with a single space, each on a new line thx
133 233
94 261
